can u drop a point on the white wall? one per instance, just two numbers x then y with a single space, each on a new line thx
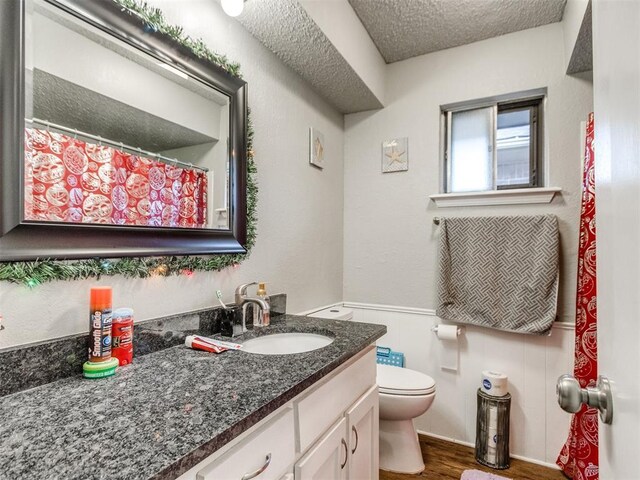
538 426
390 240
299 246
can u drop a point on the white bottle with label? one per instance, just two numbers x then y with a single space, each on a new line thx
260 318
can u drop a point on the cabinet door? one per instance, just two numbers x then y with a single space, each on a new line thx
327 459
326 404
362 423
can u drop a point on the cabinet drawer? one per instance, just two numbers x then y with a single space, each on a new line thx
322 407
275 440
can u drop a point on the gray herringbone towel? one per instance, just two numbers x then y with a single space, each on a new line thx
499 272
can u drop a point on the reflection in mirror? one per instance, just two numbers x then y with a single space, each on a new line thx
113 136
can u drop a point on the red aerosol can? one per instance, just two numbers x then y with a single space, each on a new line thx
122 335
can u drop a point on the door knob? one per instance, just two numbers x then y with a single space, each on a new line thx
571 396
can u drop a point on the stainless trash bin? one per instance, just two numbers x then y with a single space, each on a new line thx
492 430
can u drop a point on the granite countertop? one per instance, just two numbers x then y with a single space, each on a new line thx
167 411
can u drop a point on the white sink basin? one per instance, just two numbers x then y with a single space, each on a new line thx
286 343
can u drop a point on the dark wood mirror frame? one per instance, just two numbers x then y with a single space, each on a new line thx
22 240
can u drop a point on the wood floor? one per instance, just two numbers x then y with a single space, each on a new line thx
446 461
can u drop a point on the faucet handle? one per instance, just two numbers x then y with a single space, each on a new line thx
241 291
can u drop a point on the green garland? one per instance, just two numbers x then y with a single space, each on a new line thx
40 271
155 21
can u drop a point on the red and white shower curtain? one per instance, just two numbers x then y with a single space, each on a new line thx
579 456
68 180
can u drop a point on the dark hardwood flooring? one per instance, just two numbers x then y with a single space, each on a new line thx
446 461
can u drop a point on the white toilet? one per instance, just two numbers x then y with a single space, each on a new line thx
404 395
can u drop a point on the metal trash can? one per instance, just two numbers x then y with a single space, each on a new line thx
492 430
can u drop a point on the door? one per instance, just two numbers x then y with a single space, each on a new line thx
328 458
362 427
616 71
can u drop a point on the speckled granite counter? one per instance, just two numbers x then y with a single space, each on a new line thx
166 412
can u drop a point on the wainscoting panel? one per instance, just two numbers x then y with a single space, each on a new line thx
538 426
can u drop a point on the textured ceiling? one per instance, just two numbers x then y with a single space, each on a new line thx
407 28
582 55
286 29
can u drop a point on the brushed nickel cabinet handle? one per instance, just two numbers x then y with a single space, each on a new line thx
346 453
249 476
353 428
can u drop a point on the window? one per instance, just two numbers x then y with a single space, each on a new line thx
493 144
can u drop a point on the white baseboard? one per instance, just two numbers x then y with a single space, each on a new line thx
472 445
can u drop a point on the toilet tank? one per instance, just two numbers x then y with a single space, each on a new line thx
334 313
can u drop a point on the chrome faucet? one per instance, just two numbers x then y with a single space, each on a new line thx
241 300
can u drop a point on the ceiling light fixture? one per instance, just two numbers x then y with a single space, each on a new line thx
233 8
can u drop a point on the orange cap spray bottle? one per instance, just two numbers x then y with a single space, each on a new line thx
100 363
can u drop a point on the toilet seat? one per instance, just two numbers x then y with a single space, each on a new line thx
416 392
403 381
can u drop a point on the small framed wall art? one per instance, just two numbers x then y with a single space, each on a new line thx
395 155
316 148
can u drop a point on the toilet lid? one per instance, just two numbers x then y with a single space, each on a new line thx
402 381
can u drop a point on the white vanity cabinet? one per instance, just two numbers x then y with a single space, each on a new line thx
328 432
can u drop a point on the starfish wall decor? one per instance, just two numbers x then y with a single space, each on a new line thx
395 155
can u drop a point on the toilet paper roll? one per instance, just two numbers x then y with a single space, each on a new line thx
493 418
447 332
492 435
491 456
494 383
448 349
493 438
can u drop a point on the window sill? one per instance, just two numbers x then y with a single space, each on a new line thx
496 197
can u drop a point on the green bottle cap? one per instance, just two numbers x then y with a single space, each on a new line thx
100 369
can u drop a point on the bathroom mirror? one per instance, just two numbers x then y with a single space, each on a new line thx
116 140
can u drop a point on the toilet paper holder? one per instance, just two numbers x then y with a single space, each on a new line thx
434 329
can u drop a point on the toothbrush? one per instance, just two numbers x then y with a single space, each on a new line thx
219 295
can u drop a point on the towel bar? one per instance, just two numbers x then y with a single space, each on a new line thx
436 220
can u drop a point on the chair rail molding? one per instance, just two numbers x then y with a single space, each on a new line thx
419 311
